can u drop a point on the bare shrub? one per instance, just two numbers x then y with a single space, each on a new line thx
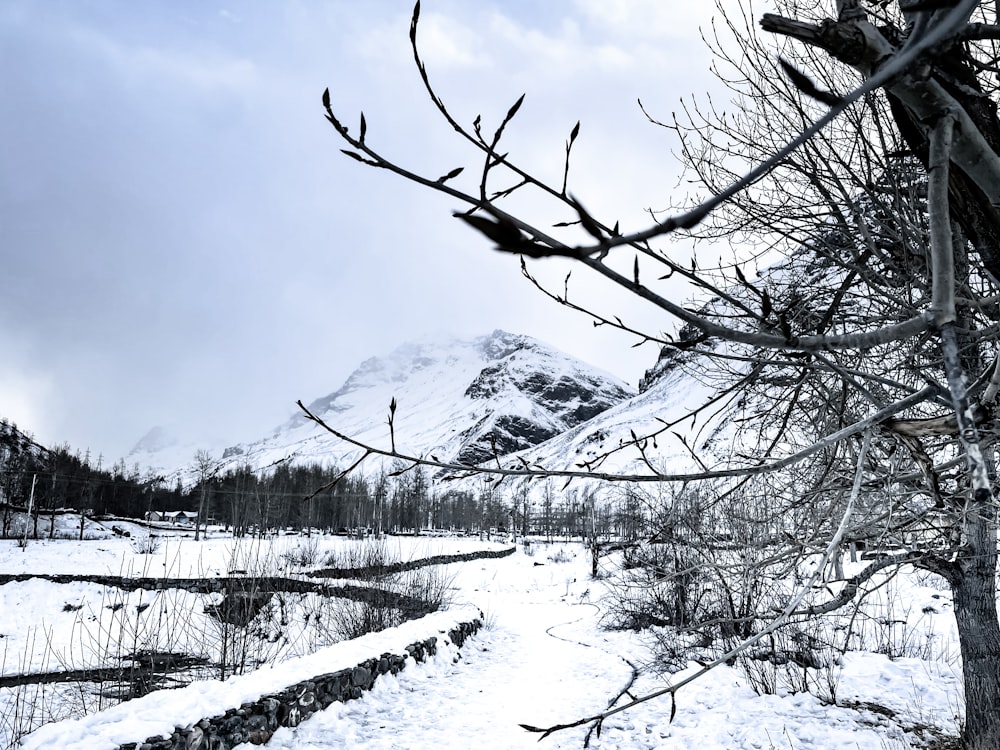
380 596
370 554
560 555
794 659
303 555
146 545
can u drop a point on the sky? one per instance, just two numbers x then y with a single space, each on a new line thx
182 243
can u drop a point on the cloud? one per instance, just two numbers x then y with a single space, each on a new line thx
450 43
25 399
661 21
184 243
205 72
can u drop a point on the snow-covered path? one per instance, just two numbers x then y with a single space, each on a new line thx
545 660
542 661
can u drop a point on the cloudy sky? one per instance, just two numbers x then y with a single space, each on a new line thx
183 244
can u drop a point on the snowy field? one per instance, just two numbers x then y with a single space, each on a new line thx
543 659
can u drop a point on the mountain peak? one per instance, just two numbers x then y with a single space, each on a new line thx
156 440
458 399
500 344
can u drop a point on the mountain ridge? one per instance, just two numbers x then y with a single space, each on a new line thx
462 400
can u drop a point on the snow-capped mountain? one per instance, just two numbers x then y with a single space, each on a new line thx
655 429
156 440
458 400
689 415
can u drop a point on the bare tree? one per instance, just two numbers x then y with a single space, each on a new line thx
206 467
858 377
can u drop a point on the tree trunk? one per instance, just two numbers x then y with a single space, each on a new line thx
974 592
201 514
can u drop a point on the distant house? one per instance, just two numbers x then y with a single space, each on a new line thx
181 517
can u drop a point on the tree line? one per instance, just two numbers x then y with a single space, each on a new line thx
50 479
402 499
246 500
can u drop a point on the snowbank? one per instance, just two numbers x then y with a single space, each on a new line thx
153 715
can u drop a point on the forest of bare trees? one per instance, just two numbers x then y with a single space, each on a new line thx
248 501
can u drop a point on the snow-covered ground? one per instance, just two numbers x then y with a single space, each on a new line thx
543 659
47 626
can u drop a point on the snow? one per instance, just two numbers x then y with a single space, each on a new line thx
546 660
159 712
542 659
430 382
436 417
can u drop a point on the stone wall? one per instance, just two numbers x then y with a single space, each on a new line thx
224 584
257 721
373 571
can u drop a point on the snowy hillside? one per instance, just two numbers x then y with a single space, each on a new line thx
456 399
531 405
606 443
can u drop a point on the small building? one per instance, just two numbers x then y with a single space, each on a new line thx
179 517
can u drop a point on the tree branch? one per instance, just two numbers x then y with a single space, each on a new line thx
939 218
787 613
826 441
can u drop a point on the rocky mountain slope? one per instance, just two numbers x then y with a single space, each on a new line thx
459 400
